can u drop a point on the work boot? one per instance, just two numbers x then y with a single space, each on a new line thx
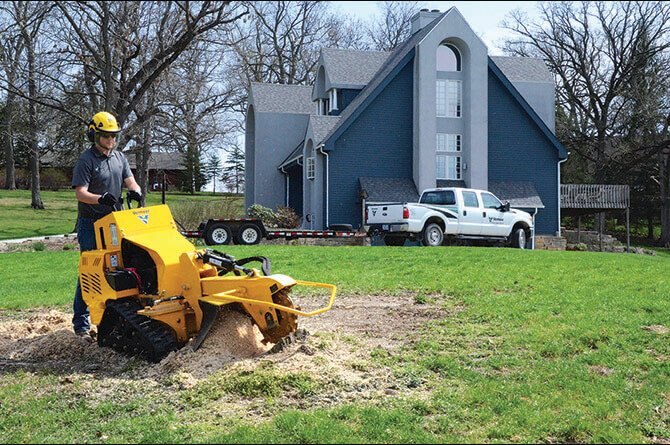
84 335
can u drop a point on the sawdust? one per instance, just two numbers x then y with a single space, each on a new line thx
336 352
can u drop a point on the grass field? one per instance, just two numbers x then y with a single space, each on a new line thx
19 220
537 347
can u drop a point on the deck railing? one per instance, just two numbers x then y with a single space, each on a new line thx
594 196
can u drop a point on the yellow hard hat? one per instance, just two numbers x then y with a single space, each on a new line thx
104 121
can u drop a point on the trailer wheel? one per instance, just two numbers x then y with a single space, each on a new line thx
217 233
394 240
249 234
432 235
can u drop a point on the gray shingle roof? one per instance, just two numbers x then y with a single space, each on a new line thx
389 189
352 68
391 62
278 98
519 194
294 155
524 69
321 125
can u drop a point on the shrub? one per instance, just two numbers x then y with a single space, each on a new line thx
191 213
39 246
286 218
265 214
53 179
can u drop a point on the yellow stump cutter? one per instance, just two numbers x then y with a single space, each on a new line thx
150 291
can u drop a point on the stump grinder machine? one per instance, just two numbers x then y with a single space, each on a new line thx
150 291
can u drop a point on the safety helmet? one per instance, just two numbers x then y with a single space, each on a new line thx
102 122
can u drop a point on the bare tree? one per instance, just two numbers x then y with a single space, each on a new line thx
124 47
393 26
597 50
11 50
196 95
610 60
29 17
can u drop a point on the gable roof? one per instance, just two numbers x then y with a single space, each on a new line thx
321 125
393 64
293 157
524 69
389 189
348 68
281 98
519 193
562 152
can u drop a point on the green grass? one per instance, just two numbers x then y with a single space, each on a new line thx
544 347
19 220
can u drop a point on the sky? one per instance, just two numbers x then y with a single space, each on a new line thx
483 17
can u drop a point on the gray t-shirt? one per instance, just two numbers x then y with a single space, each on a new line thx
101 174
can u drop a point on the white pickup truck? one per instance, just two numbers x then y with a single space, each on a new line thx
453 212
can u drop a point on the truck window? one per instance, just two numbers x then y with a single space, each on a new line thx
470 199
490 201
439 197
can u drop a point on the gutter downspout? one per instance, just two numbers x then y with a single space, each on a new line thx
320 148
532 235
559 193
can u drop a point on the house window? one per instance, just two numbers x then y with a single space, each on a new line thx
449 93
310 168
326 107
448 58
447 156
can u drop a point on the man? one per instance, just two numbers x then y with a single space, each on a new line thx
98 177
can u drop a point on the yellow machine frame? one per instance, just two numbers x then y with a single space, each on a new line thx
184 281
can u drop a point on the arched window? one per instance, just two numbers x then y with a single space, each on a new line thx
448 58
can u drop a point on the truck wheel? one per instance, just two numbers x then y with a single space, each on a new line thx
519 238
432 235
394 240
249 234
217 233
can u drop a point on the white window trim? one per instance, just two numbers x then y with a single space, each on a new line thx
446 89
309 167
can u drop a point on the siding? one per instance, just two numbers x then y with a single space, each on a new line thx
519 151
345 96
377 144
276 136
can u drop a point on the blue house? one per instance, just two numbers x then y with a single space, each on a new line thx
377 126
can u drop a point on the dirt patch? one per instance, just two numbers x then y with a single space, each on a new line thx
336 351
657 328
66 242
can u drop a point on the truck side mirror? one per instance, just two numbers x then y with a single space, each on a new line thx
504 207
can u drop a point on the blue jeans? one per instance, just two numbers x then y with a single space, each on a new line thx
86 238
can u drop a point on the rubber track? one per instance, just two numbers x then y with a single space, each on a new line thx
138 336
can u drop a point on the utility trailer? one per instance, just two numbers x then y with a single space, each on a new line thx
248 231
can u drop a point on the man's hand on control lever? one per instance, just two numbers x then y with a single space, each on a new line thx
135 196
107 199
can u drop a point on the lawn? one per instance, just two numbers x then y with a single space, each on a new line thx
536 346
60 213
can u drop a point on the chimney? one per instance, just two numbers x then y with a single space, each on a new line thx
423 18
